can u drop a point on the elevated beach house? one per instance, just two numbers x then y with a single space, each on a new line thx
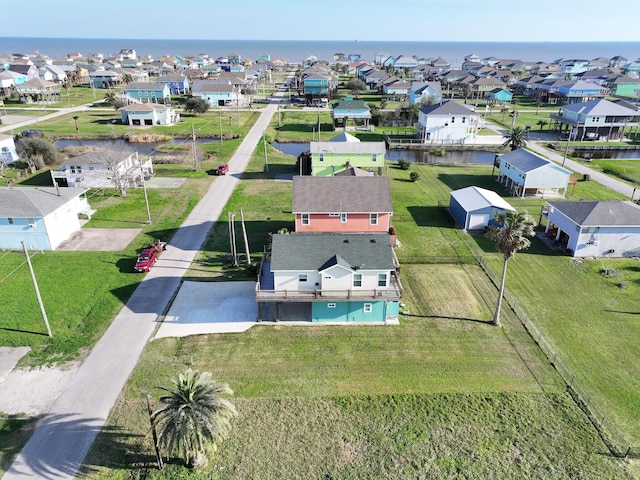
595 228
331 277
447 123
343 152
525 173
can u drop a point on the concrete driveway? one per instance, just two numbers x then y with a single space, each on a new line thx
210 307
100 239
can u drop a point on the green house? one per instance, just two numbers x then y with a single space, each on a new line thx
346 151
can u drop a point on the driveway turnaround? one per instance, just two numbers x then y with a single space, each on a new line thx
63 437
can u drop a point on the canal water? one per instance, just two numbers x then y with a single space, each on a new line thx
142 148
415 156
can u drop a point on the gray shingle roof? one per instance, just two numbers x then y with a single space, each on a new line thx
447 108
598 214
318 251
28 202
599 107
341 194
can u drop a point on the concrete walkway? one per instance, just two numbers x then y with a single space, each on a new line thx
63 437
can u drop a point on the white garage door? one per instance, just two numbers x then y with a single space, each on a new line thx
478 221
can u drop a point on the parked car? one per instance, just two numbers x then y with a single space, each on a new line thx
146 259
222 169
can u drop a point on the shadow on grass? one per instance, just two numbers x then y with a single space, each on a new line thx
430 216
16 431
42 179
48 454
458 181
461 319
17 330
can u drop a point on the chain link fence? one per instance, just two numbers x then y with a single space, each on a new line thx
613 438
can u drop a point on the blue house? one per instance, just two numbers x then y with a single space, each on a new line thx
499 95
473 208
178 84
336 277
43 218
149 92
525 173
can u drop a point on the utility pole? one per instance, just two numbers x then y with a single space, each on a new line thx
220 120
566 150
246 240
266 158
144 189
193 147
154 434
35 286
233 239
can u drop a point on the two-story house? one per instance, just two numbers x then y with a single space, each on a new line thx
149 92
178 84
342 204
596 120
447 123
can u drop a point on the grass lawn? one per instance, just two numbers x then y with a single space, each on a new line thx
96 284
625 170
440 396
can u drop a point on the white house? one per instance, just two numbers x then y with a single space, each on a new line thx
96 170
8 152
596 228
149 114
447 123
41 217
526 173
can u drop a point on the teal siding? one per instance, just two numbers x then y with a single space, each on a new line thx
353 311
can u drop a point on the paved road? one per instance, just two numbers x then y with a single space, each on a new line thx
58 446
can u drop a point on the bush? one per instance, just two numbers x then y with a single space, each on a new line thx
196 105
404 164
414 176
37 150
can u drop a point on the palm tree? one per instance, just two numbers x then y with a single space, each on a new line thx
541 123
194 416
515 139
510 234
75 119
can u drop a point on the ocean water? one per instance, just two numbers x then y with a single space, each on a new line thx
297 51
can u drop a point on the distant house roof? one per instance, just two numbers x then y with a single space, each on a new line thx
341 194
476 198
29 202
151 86
527 161
348 147
319 251
143 107
344 137
604 213
599 107
447 108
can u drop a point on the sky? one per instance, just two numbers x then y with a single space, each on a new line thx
372 20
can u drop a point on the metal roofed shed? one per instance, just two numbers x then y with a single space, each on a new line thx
473 208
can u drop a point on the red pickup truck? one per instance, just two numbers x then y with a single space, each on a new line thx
146 259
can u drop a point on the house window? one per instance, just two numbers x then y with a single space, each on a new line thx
10 220
373 219
382 279
367 308
331 305
305 219
343 218
321 157
453 119
334 214
302 277
464 119
357 279
374 157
